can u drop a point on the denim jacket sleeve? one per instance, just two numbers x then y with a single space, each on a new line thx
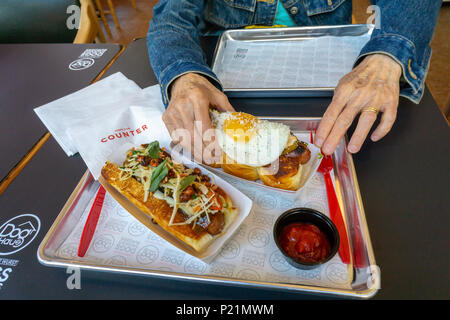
404 33
173 42
406 29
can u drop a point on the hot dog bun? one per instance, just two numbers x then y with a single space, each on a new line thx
196 237
289 172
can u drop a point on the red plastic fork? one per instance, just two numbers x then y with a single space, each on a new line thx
335 210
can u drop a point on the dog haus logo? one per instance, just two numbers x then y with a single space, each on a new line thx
17 233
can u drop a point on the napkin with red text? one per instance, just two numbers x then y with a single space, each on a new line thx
96 139
93 104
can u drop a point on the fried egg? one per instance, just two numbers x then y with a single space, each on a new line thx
248 140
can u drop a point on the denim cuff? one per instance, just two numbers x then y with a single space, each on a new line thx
402 50
180 68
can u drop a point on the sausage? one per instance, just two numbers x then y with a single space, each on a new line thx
305 153
302 152
215 224
187 194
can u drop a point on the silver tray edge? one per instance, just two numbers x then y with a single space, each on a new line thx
363 294
301 91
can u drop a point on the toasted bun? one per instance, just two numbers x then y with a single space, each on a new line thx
287 177
161 212
286 174
289 171
239 170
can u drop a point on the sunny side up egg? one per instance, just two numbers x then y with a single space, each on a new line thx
247 139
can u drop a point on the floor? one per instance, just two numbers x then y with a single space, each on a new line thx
134 24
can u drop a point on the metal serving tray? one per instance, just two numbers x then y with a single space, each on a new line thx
236 42
366 275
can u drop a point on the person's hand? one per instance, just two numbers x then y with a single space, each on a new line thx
372 86
187 115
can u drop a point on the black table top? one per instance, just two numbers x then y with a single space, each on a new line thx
32 75
403 179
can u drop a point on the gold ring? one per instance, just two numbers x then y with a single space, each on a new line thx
370 109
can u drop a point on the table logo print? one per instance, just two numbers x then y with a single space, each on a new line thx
5 269
81 64
18 232
93 53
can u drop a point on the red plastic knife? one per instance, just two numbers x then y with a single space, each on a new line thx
335 211
91 222
325 167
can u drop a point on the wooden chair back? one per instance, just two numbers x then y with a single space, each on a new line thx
89 30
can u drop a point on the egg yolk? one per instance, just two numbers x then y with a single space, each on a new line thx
240 126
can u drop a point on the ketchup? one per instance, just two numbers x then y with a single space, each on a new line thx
305 242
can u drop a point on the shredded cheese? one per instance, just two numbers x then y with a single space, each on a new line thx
175 198
169 189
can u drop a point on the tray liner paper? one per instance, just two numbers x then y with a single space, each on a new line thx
251 254
319 62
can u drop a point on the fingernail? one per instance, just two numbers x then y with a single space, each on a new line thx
374 138
352 148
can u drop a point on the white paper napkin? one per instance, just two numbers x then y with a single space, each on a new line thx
112 94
